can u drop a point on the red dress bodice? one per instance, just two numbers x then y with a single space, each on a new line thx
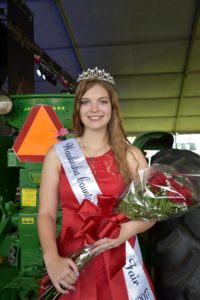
106 173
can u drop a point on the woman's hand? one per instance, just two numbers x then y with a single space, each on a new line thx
107 243
63 273
127 230
104 244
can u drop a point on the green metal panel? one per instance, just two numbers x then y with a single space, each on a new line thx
31 259
62 104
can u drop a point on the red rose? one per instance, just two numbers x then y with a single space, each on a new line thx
179 192
157 180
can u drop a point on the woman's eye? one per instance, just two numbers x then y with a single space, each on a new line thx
104 101
84 102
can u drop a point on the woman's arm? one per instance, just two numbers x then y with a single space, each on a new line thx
136 162
61 270
47 212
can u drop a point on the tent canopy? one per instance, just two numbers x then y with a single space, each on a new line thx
152 48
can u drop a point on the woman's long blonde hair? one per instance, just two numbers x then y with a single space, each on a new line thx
117 137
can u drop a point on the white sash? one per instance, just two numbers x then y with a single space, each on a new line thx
78 172
137 284
84 186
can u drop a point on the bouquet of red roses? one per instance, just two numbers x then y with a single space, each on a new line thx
158 193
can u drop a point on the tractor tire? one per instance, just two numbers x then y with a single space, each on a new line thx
176 241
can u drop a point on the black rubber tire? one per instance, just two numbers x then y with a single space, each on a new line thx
177 241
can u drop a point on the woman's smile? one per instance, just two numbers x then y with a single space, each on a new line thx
95 118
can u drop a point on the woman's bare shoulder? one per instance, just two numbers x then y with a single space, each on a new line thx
136 155
51 157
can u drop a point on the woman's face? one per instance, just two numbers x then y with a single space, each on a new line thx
95 109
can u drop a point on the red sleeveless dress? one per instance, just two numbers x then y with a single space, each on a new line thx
94 282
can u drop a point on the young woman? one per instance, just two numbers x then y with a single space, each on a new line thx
98 161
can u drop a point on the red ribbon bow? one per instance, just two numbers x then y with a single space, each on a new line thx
99 222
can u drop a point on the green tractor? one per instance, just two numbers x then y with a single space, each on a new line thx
21 261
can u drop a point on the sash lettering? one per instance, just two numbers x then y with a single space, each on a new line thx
77 170
136 281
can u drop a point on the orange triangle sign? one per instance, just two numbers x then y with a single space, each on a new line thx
38 134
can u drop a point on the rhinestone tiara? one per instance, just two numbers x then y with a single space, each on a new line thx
96 74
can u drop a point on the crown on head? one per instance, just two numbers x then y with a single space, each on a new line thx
96 74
